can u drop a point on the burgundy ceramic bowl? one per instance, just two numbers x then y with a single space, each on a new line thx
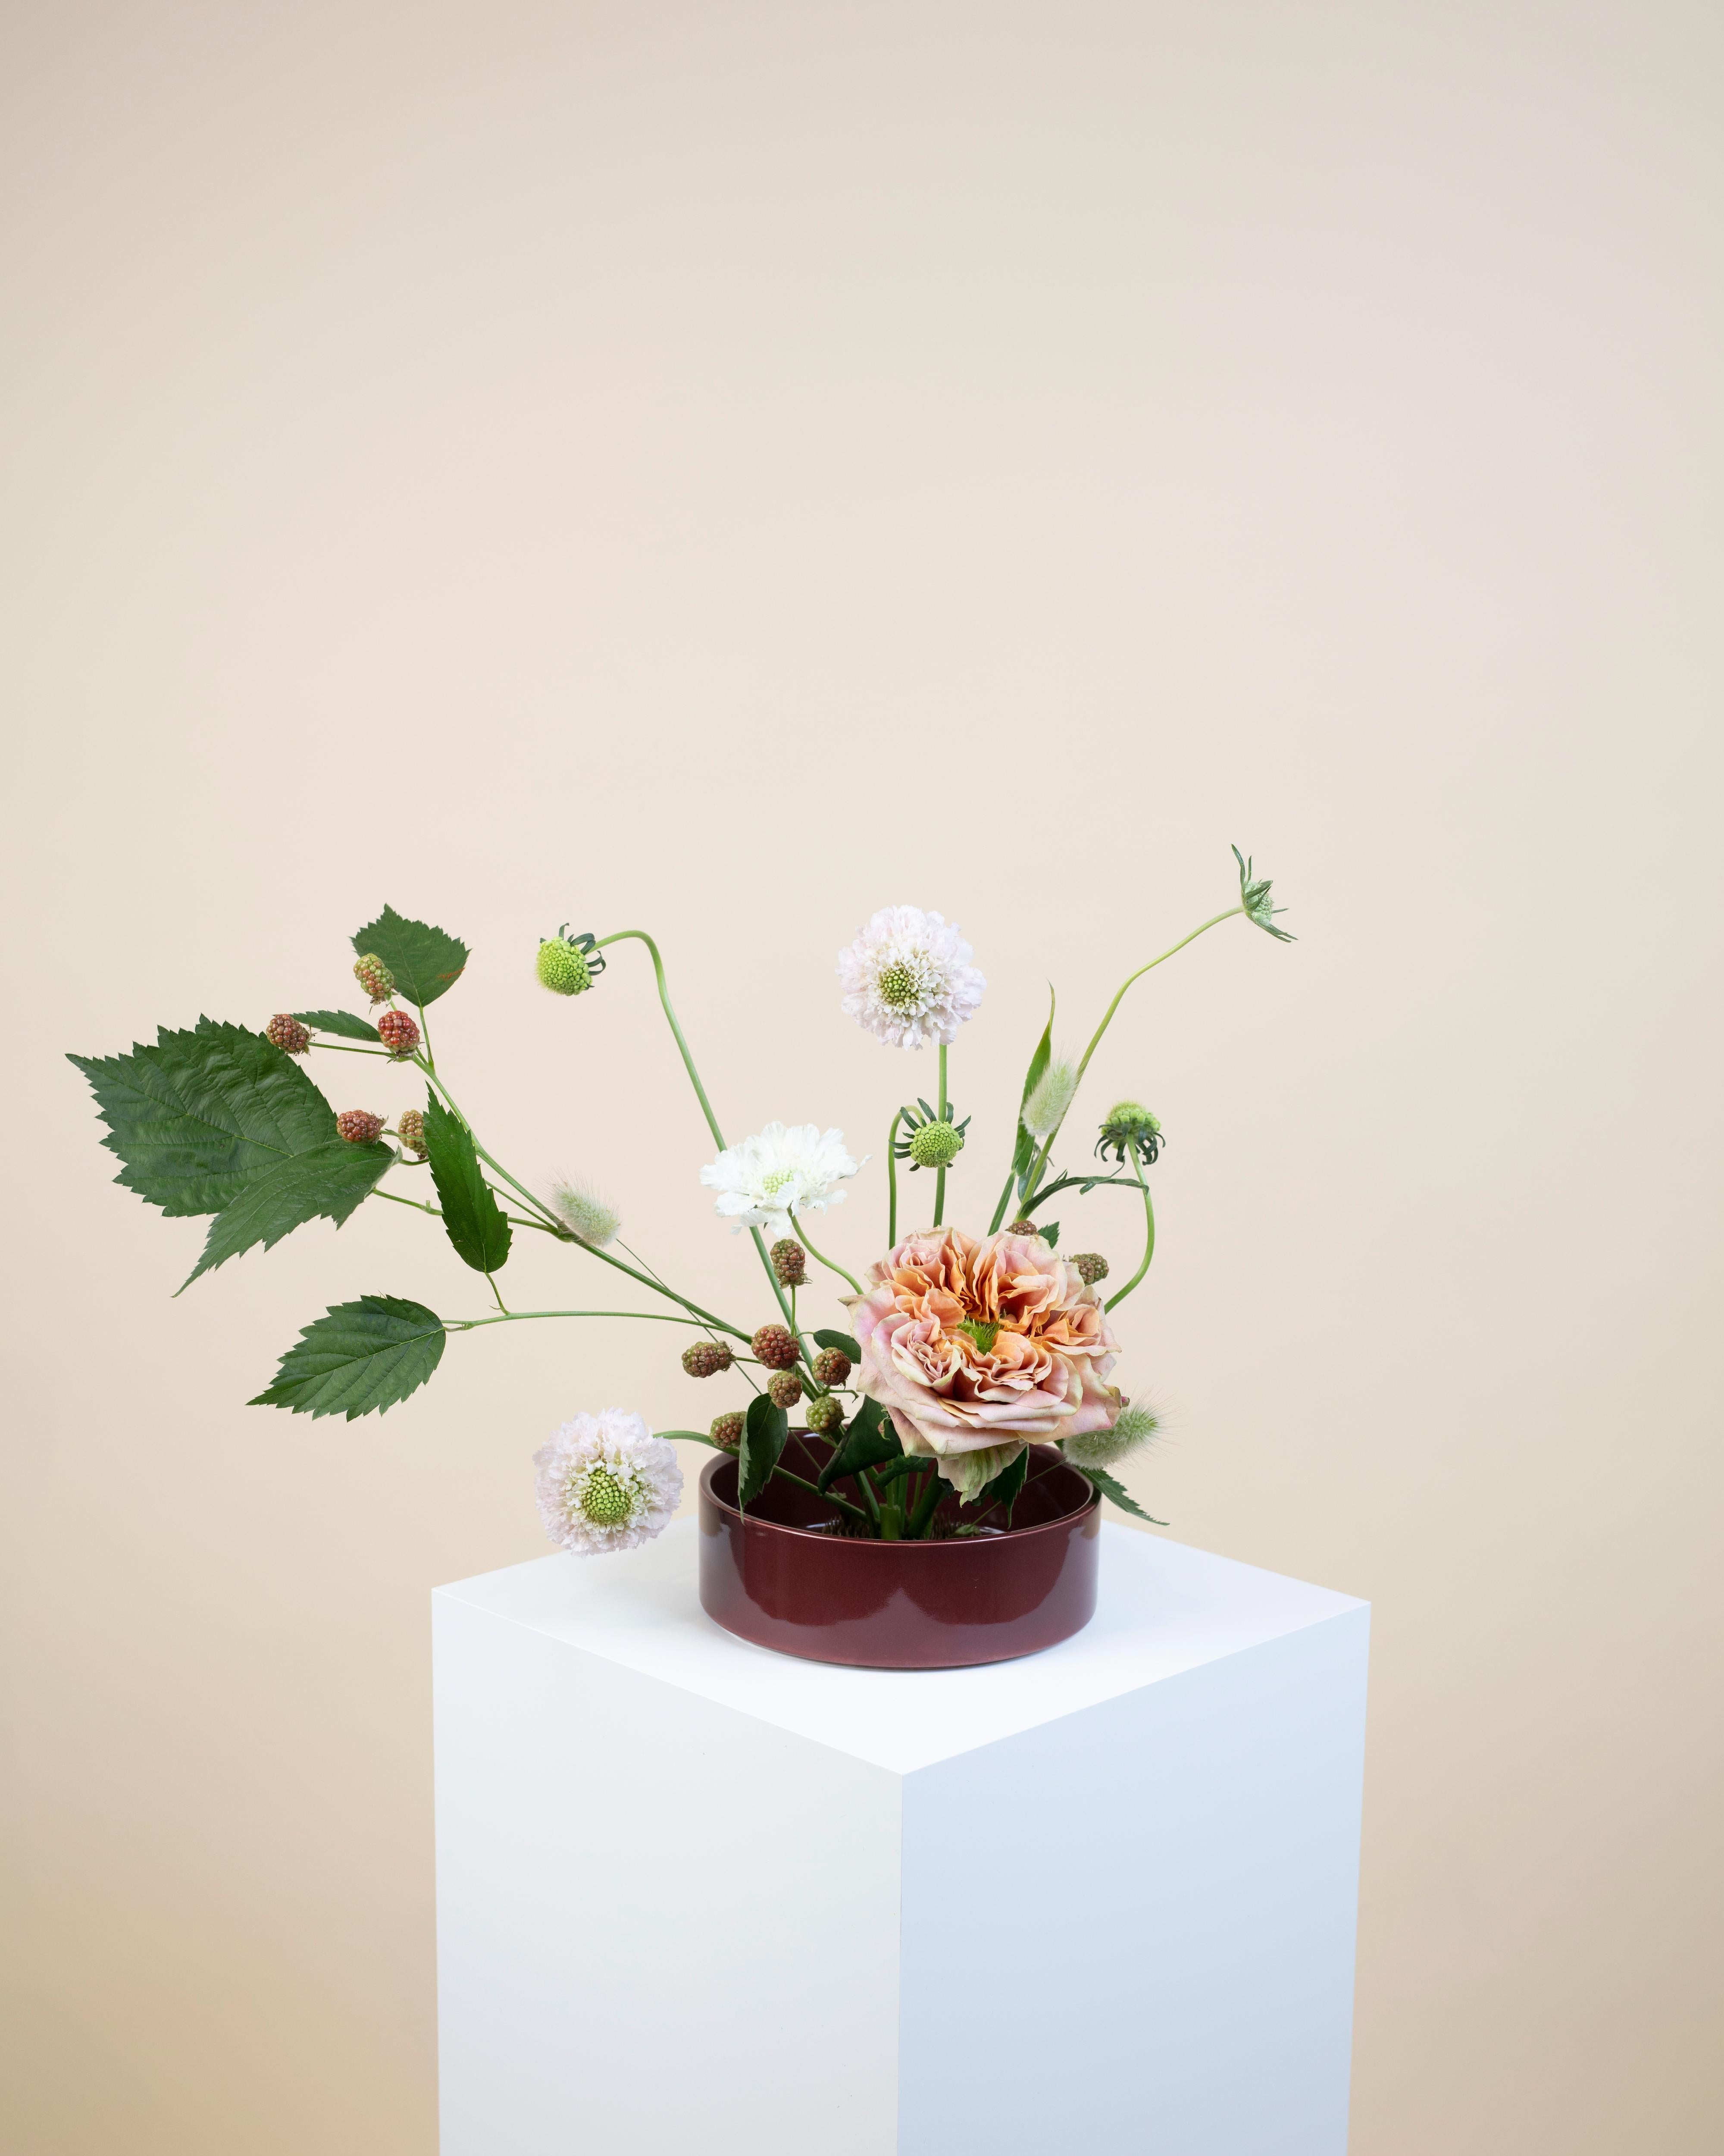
778 1576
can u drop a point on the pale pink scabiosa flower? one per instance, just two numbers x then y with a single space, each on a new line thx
606 1483
908 979
976 1349
777 1172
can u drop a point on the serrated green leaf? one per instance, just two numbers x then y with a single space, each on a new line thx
342 1022
203 1115
841 1342
1006 1485
1117 1493
426 961
327 1183
765 1430
470 1212
359 1357
1050 1233
869 1439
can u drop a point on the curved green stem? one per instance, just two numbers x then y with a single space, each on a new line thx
999 1210
830 1496
335 1048
892 1183
1076 1183
1114 1300
802 1236
940 1172
519 1316
1041 1158
426 1031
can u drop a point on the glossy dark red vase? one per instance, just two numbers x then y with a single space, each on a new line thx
781 1577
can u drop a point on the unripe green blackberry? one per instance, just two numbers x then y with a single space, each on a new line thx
936 1145
726 1432
790 1261
374 977
359 1127
832 1366
1022 1228
410 1129
289 1035
775 1346
398 1033
784 1387
562 969
825 1417
1091 1266
706 1358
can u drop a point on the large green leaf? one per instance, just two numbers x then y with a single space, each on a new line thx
475 1224
425 960
342 1022
1005 1486
327 1183
1023 1153
765 1428
202 1115
357 1357
1117 1494
869 1439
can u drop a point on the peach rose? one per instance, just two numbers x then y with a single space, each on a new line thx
976 1349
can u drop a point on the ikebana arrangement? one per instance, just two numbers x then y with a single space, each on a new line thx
962 1407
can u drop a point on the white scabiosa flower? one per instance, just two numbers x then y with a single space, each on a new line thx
606 1483
1053 1094
1134 1426
777 1172
585 1214
908 979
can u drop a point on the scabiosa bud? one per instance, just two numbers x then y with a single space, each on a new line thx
374 977
784 1389
1045 1111
289 1035
936 1145
775 1346
1133 1426
566 964
585 1214
826 1418
1091 1266
359 1127
706 1358
1130 1128
398 1033
832 1366
410 1129
726 1432
790 1261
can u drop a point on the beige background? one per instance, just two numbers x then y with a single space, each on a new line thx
724 467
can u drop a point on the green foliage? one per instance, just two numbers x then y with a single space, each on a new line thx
765 1430
869 1440
1006 1485
219 1120
358 1357
1023 1154
1117 1493
342 1022
470 1212
425 960
1050 1233
842 1342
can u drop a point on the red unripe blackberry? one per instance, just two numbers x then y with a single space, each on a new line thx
397 1033
775 1346
706 1358
1091 1266
726 1432
359 1127
410 1129
826 1418
288 1035
790 1261
1022 1228
832 1366
784 1389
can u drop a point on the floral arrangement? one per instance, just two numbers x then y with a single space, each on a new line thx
961 1350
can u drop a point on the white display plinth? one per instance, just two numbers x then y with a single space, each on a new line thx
697 1899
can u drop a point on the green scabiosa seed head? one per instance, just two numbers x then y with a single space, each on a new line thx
936 1145
604 1500
1254 899
568 964
1130 1128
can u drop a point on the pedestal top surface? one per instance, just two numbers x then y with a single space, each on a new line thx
1164 1609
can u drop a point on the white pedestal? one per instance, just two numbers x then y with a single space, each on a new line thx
696 1899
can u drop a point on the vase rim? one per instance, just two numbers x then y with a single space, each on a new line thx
1061 1522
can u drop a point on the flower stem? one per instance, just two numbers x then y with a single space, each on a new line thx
926 1505
425 1029
1113 1300
830 1496
518 1317
802 1236
892 1183
940 1172
335 1048
1041 1158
